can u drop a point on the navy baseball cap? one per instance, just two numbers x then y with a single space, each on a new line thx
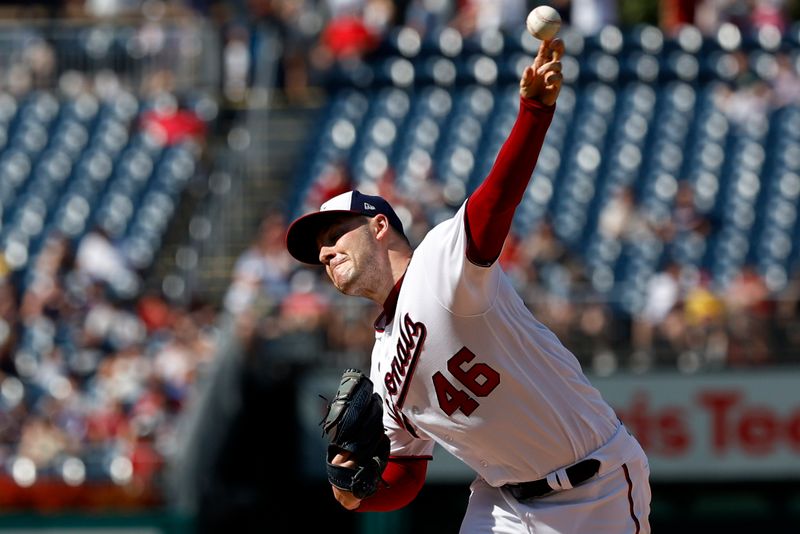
301 238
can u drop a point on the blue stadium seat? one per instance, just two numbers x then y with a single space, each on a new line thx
71 136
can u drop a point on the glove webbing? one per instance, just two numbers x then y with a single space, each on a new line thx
362 481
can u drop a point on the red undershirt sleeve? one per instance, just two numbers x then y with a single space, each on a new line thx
490 209
404 479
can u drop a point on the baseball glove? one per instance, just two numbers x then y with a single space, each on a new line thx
354 423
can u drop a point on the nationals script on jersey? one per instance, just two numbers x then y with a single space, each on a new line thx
449 365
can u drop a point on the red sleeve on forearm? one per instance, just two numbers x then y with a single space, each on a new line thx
490 209
403 480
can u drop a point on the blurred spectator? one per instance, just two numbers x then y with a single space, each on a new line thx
304 319
300 24
747 292
748 16
41 441
750 308
558 302
349 330
305 305
428 204
380 16
591 331
45 292
787 317
711 14
99 259
685 215
282 33
708 15
769 14
705 340
659 321
236 63
590 16
146 462
745 98
674 14
347 35
429 16
479 16
686 225
154 311
177 361
170 124
543 247
113 328
262 270
9 328
786 83
744 105
621 218
110 8
334 179
40 59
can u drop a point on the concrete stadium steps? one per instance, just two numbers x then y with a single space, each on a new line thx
259 154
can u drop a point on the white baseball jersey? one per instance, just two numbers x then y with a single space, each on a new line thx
462 362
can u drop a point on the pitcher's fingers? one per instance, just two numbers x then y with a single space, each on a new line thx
543 55
527 75
556 49
553 66
552 78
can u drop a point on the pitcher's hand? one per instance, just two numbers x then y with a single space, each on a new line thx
542 80
345 498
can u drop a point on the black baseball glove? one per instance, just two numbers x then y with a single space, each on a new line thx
354 423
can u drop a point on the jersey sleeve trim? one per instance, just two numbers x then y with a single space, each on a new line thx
402 482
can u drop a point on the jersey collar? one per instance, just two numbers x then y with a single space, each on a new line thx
389 306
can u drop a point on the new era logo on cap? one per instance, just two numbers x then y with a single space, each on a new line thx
301 238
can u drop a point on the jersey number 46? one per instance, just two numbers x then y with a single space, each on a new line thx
479 379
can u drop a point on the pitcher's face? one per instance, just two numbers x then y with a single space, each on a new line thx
346 249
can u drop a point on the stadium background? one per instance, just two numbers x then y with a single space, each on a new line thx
161 359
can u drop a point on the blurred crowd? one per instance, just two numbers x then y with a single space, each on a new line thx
92 381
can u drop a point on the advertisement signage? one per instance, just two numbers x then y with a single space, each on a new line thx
715 426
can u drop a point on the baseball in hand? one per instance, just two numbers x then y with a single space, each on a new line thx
543 23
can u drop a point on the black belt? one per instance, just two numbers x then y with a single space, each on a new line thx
577 474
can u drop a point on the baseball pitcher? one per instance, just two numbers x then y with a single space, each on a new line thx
460 361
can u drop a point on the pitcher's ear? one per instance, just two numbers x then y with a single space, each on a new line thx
380 225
